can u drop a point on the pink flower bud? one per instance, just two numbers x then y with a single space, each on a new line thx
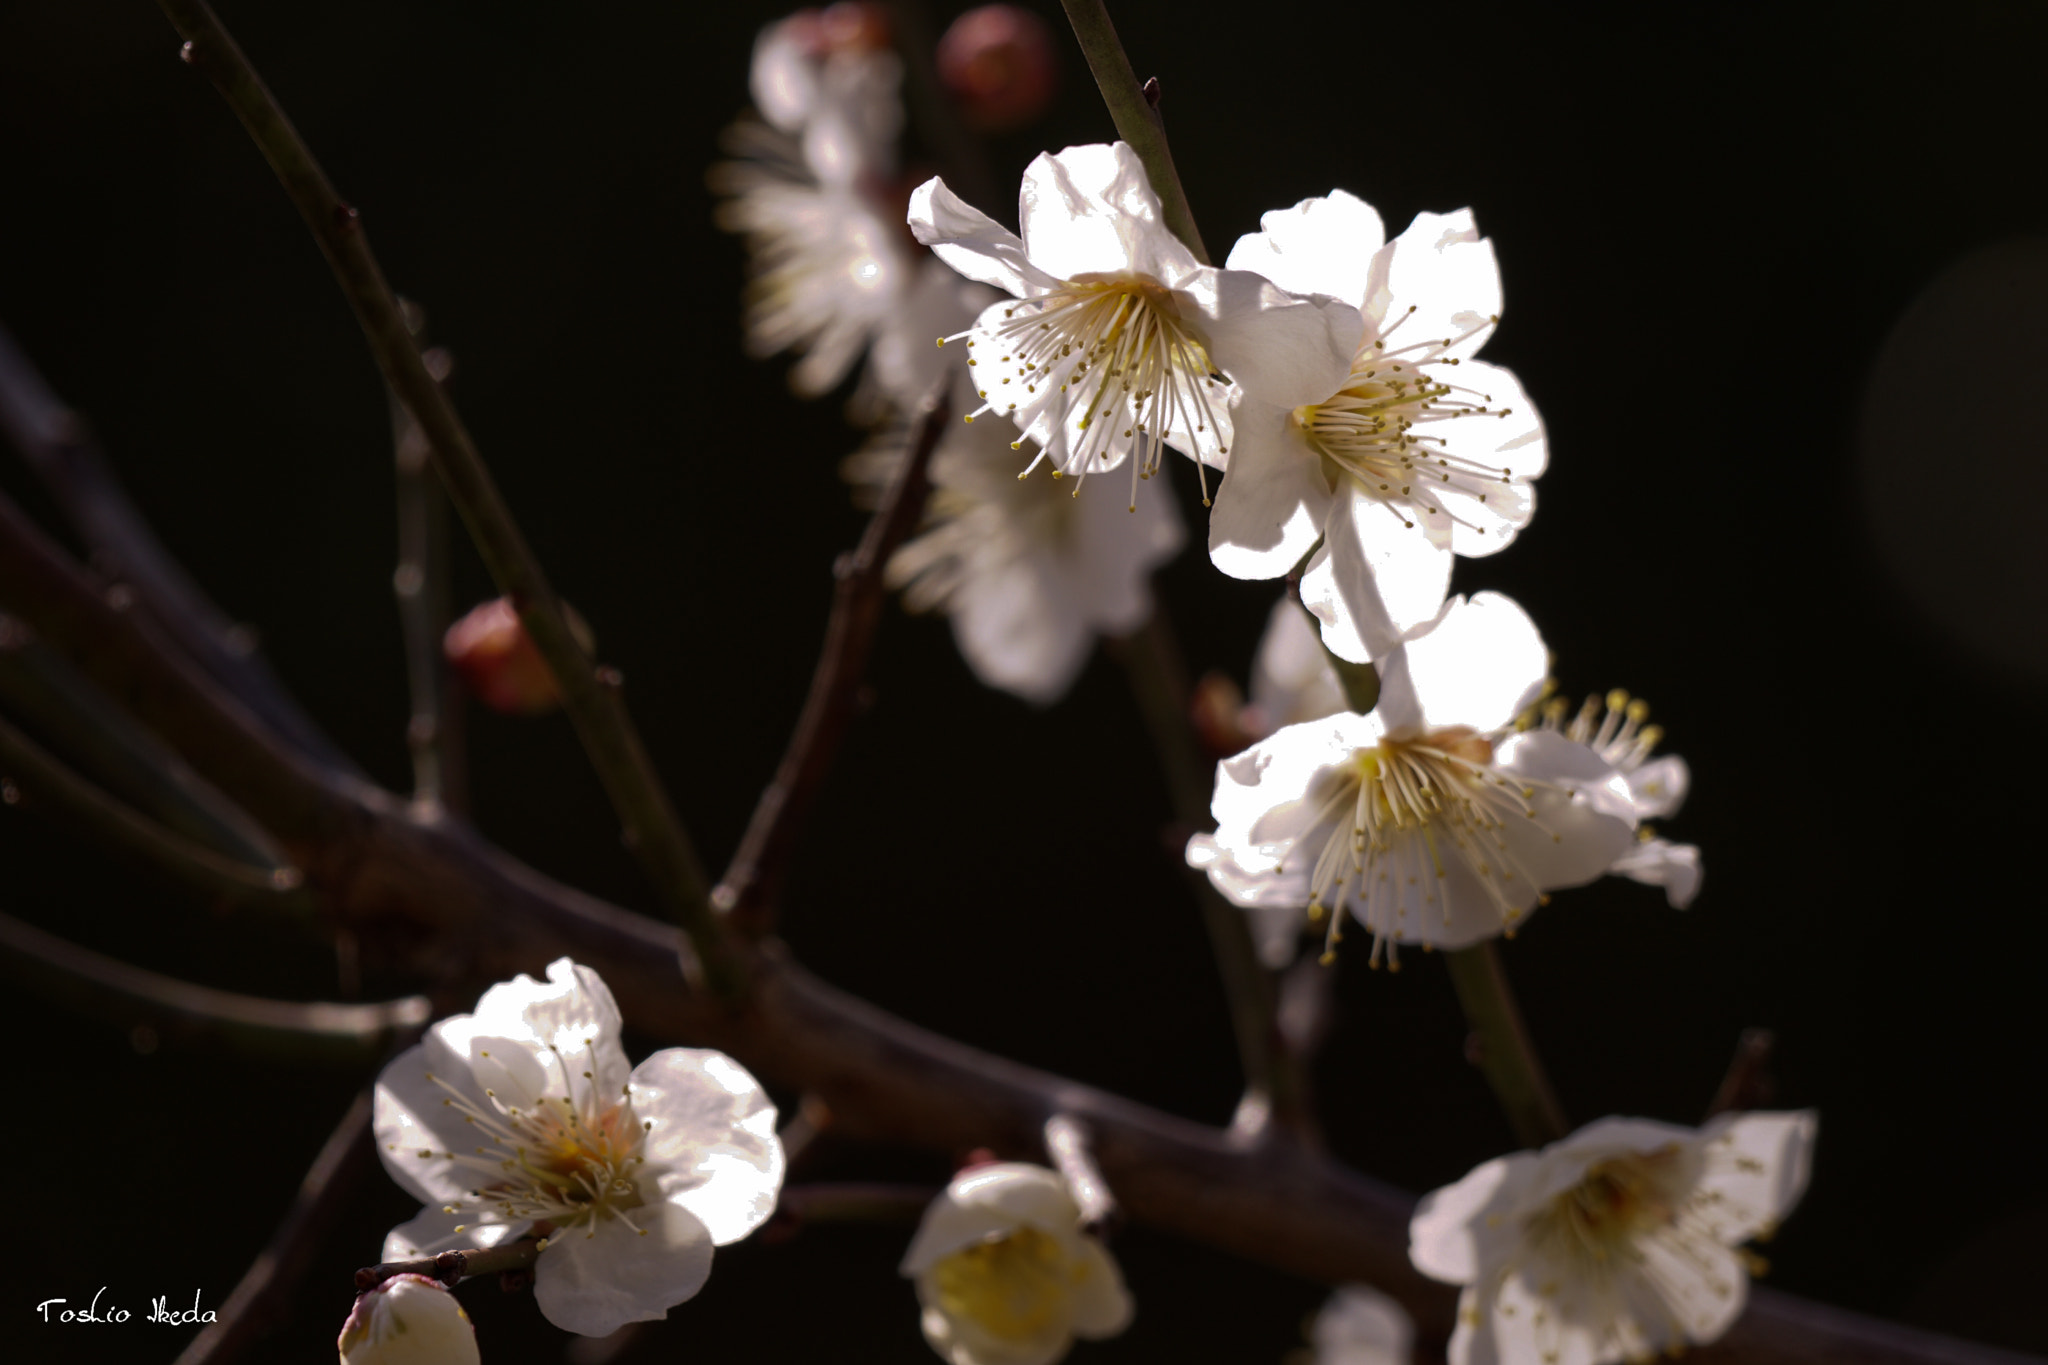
998 62
498 662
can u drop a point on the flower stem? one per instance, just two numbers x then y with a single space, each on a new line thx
1507 1057
1137 118
434 731
591 694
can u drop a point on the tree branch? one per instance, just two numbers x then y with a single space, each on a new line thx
1506 1055
260 1298
57 446
434 731
123 994
590 694
752 883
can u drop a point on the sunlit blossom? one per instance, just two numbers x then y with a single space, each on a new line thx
1004 1273
1118 339
524 1117
1430 820
1420 451
1658 785
1618 1243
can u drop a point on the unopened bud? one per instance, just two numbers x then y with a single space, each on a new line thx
408 1320
1218 711
498 661
998 62
850 26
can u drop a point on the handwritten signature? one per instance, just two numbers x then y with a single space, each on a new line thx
160 1311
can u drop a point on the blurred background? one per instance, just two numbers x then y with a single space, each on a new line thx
1776 278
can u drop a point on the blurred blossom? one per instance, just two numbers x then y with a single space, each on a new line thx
1361 1326
1292 680
408 1320
828 78
1419 453
1657 786
498 661
1120 336
1029 573
1004 1273
1617 1243
1430 820
999 64
525 1118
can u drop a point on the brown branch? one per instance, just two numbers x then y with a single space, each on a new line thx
57 445
259 1300
453 1267
747 895
123 994
591 695
446 903
434 732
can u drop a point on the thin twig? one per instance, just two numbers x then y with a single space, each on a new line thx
590 694
1361 682
127 995
56 444
453 1267
434 731
1747 1084
748 893
1273 1088
264 1291
104 748
1137 119
1506 1055
1069 1144
36 775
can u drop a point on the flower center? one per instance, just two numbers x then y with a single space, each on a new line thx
568 1161
1116 347
1412 805
1013 1287
1376 429
1616 1202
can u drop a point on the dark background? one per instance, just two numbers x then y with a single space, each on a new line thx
1709 220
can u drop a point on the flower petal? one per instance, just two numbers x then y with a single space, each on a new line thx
987 1201
1320 246
712 1149
1584 819
1283 349
593 1280
1274 497
972 242
1376 579
1659 862
411 1115
1445 271
434 1231
1091 210
1463 1229
1659 787
1101 1305
1362 1326
1757 1169
1480 665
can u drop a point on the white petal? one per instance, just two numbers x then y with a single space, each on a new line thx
713 1148
1115 544
1019 632
972 242
509 1073
1320 246
408 1320
988 1201
1757 1168
433 1232
1271 506
962 1341
1659 787
782 82
1481 666
1659 862
1101 1305
1463 1230
1697 1285
1266 792
1090 210
1584 817
1361 1326
1283 349
1375 580
410 1116
1443 269
1509 436
595 1280
1422 893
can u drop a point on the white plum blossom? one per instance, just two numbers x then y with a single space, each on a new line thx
1029 574
1430 820
1004 1273
525 1117
829 79
407 1320
1361 1326
1657 786
1118 338
1621 1241
1418 453
827 268
1292 680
